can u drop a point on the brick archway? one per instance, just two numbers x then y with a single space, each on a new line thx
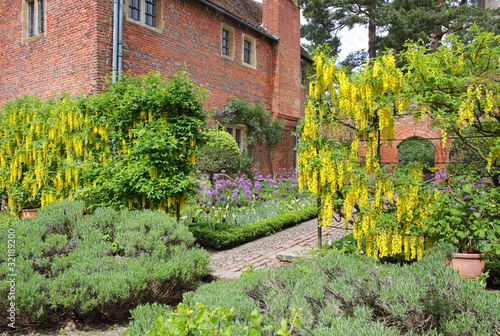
406 128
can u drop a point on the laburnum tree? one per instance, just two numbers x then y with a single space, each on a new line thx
348 116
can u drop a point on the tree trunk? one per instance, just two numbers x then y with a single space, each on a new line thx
372 29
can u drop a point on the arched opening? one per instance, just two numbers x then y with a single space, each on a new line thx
417 149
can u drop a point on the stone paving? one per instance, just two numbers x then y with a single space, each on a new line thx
261 253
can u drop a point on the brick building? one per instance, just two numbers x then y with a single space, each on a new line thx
232 47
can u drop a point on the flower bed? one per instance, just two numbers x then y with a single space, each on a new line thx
232 211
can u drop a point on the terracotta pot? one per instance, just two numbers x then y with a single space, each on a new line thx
469 265
28 213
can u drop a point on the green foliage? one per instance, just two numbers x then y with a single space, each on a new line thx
400 20
155 128
465 214
458 87
71 266
220 152
262 126
355 295
418 149
7 219
221 239
133 145
492 266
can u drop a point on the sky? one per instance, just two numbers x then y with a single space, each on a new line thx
351 39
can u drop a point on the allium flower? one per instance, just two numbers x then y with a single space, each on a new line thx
223 171
237 191
260 189
276 186
249 198
208 190
275 200
218 186
276 191
248 192
234 196
198 171
223 198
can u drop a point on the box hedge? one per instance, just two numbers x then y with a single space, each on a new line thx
99 266
224 239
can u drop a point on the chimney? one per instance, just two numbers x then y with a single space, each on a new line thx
282 19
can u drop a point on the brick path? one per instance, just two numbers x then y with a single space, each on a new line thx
261 253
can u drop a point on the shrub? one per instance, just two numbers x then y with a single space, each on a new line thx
99 266
219 153
133 145
356 295
221 239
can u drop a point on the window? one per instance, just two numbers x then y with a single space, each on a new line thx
238 132
227 42
144 12
33 18
249 52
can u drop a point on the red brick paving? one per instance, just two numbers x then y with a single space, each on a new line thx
261 253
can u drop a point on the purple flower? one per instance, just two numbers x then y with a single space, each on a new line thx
218 186
284 195
466 197
275 186
234 196
248 192
264 199
275 200
214 201
462 181
236 191
194 220
207 211
300 193
223 198
239 205
276 191
208 190
223 219
260 189
222 171
216 176
361 252
249 198
198 171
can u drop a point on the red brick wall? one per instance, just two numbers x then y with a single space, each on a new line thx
61 60
75 55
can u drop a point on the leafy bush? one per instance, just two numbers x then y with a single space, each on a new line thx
356 295
133 145
226 238
219 153
98 266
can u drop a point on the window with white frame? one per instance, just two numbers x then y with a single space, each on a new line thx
145 12
33 18
239 134
249 51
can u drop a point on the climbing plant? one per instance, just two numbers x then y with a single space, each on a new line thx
262 126
133 145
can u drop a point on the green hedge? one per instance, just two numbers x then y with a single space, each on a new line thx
99 266
356 295
239 235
